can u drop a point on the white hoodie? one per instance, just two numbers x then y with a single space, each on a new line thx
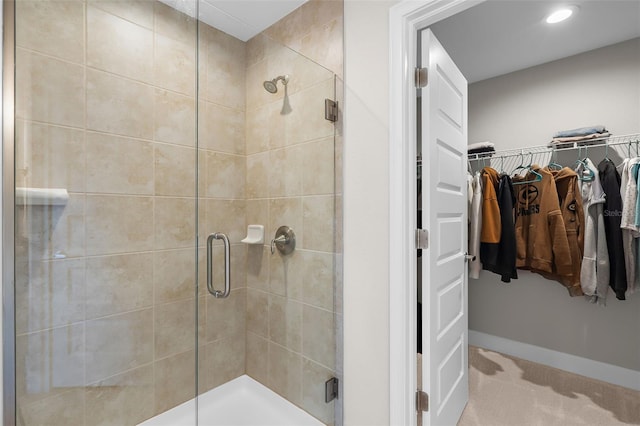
475 215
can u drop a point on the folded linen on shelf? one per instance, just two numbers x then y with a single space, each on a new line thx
571 139
488 152
480 145
582 131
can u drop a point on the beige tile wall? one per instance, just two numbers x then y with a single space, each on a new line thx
315 30
291 321
105 285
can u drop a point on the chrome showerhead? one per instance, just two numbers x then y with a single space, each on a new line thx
271 86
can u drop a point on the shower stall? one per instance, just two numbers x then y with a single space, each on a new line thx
142 139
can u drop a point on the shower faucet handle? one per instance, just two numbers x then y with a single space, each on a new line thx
281 239
284 241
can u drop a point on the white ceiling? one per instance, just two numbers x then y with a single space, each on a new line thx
242 19
501 36
494 38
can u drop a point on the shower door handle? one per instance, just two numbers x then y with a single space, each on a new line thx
227 267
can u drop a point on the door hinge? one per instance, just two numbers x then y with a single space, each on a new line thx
330 389
422 239
422 401
422 77
330 110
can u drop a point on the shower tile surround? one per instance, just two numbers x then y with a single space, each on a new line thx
105 285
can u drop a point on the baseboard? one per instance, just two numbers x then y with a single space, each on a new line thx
585 367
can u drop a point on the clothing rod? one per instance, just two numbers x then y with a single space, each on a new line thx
630 139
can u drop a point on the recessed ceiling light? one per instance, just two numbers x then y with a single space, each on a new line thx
561 14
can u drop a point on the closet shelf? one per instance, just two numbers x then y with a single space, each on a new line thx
631 139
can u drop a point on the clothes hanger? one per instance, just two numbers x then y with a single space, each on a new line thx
519 166
585 174
537 177
606 152
629 148
552 164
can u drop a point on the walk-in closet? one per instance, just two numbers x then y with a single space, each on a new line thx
518 112
522 111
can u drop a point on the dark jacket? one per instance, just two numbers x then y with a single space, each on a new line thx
505 265
610 180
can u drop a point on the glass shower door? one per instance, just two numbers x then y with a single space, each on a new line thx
106 211
266 159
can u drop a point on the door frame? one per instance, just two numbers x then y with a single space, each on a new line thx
406 19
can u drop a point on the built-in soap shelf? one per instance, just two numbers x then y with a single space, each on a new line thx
41 196
255 235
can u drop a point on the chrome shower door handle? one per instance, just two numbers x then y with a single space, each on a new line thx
227 266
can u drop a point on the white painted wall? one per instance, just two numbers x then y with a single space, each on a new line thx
366 213
523 109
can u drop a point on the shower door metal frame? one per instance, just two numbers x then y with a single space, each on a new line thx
8 214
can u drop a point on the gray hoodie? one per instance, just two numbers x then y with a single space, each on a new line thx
594 273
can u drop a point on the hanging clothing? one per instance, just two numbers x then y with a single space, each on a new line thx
506 265
491 227
541 237
497 242
629 198
476 224
628 193
610 180
469 196
570 202
594 274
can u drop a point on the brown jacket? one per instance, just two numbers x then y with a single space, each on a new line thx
491 226
573 217
541 238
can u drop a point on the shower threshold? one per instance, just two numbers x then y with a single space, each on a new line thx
240 402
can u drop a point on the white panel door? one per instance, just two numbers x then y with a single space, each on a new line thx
444 207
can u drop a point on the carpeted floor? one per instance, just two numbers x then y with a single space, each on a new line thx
510 391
